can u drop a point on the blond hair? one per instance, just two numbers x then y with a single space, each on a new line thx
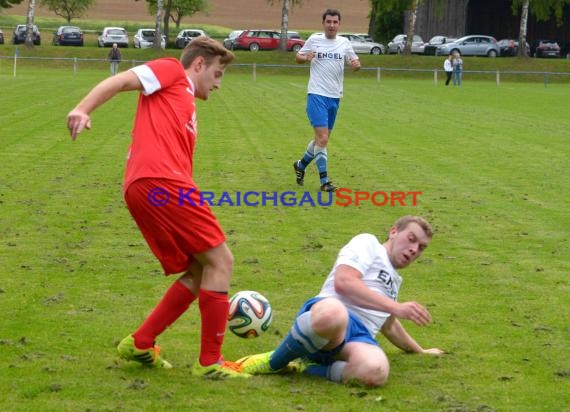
404 221
207 48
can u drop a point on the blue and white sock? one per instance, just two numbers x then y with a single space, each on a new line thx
308 156
331 372
321 161
301 341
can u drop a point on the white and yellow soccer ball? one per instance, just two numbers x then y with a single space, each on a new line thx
250 314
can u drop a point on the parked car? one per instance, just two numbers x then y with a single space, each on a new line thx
431 46
19 35
365 36
565 51
473 45
255 40
1 37
510 47
230 40
360 45
186 36
68 36
144 39
111 35
545 48
398 43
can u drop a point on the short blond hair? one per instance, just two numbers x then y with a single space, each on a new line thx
404 221
207 48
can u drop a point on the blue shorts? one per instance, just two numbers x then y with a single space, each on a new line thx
322 110
355 332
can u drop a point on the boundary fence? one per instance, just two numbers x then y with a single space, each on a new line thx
75 65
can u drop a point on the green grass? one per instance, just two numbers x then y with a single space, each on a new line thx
491 163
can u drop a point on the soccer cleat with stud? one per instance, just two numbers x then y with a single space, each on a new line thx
147 357
257 364
299 174
328 187
299 365
218 371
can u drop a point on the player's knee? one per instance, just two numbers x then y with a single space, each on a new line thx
373 376
329 315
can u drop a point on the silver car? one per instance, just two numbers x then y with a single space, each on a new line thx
473 45
360 45
229 41
111 35
398 43
144 39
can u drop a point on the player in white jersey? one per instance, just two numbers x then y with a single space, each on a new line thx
334 333
327 54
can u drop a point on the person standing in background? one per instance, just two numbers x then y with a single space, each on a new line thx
114 58
457 69
448 68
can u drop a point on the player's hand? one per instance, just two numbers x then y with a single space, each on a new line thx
413 311
433 351
311 55
76 122
355 64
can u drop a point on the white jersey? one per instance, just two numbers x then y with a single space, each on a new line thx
327 68
367 255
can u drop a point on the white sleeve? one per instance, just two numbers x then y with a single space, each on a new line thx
147 78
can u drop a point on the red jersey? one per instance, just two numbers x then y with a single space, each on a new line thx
165 128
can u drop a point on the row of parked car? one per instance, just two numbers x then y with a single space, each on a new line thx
477 45
254 40
74 36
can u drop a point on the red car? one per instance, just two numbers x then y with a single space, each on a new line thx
255 40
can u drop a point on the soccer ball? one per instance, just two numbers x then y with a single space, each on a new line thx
250 314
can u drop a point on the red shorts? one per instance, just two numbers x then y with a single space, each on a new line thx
173 222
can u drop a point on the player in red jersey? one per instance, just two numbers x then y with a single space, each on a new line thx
164 201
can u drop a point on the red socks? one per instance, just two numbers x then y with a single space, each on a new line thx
214 307
173 304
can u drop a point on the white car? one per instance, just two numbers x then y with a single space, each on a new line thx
398 44
144 39
111 35
361 45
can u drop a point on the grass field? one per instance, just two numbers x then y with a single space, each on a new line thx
491 163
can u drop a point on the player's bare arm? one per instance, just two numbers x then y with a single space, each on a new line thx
78 119
348 282
395 332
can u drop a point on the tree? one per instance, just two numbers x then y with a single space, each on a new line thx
68 9
6 4
175 10
412 17
158 26
286 5
30 24
542 10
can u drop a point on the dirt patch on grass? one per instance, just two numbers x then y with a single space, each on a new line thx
234 14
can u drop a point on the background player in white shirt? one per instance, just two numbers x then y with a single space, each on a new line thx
327 54
334 332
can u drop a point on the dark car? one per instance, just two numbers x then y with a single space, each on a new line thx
510 47
68 36
545 48
186 36
19 35
431 47
565 51
255 40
